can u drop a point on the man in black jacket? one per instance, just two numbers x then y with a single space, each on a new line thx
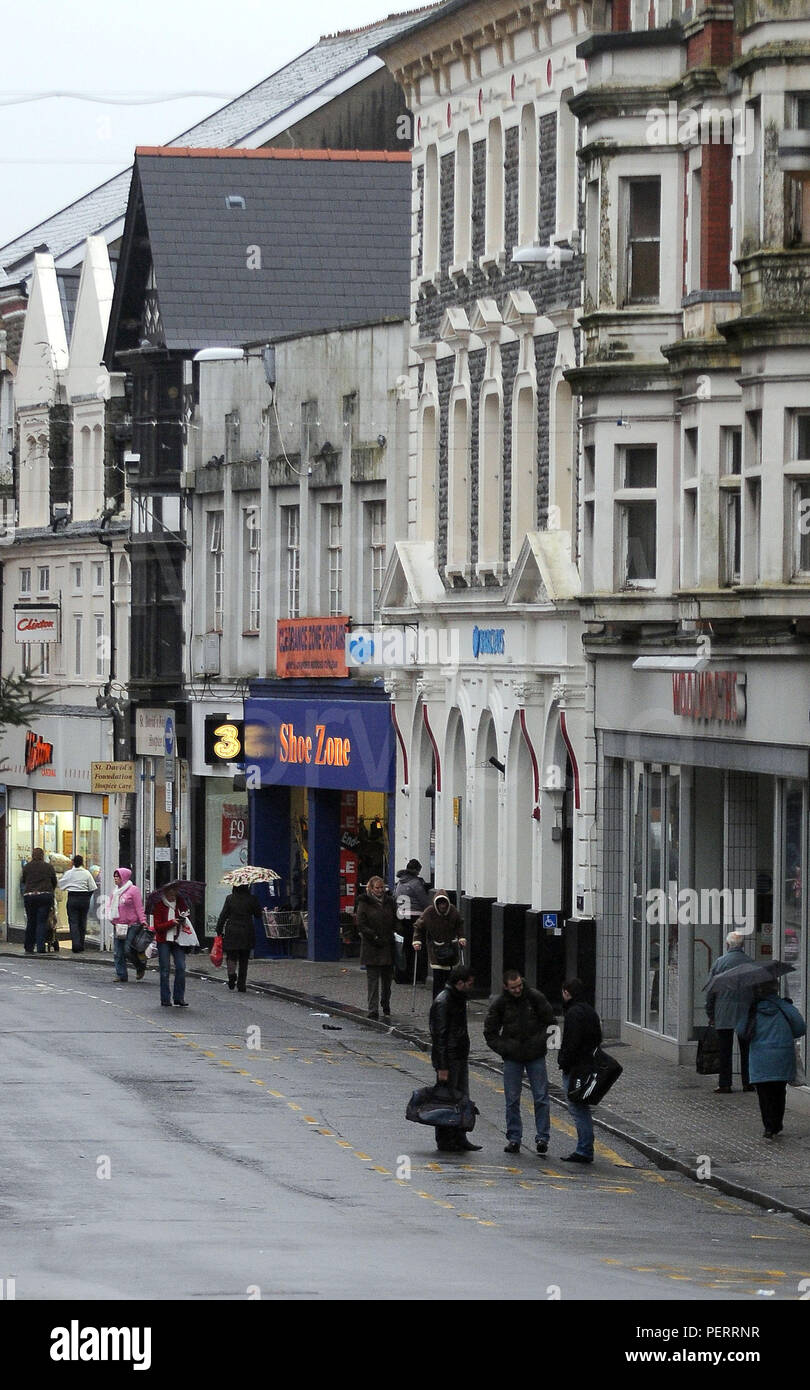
451 1047
582 1032
516 1027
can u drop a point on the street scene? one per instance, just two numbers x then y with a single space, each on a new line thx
404 663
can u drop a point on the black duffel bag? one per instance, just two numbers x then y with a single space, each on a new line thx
707 1059
441 1105
592 1078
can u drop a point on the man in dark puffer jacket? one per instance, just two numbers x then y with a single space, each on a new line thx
451 1047
516 1027
582 1032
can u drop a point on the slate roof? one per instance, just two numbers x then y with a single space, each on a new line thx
332 228
231 125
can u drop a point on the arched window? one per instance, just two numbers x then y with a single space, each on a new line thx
495 189
524 464
566 168
462 206
458 505
426 480
528 178
431 213
490 481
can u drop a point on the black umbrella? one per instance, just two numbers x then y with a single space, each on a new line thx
748 976
189 889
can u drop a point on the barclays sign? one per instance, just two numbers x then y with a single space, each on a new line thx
488 641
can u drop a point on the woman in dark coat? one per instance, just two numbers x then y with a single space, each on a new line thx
376 923
239 911
38 887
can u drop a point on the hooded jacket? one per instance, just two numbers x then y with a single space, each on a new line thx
438 926
412 894
376 921
127 904
772 1055
516 1027
582 1032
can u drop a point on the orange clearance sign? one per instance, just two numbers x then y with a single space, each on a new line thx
311 647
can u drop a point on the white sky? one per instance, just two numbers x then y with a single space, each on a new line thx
53 151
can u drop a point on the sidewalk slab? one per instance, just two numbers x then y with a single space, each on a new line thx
668 1113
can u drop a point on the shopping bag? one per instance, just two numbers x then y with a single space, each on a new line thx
593 1078
141 941
707 1059
151 950
186 935
441 1105
216 952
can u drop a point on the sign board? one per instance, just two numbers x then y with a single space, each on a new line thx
38 752
311 647
715 695
163 854
347 745
551 923
168 736
36 622
169 802
224 739
150 732
118 778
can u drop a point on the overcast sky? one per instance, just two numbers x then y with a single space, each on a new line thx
52 151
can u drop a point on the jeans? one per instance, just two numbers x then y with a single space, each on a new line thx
37 909
512 1087
122 951
78 906
168 951
725 1039
581 1115
378 980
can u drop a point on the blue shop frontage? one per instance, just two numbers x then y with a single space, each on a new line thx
320 772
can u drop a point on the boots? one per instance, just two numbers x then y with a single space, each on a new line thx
231 982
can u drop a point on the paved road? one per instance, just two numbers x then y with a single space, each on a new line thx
236 1149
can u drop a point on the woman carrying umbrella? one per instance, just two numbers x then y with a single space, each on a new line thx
239 911
772 1026
173 935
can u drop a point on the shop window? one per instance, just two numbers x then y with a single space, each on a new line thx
216 571
654 860
25 583
292 543
642 241
528 178
332 524
462 204
252 541
375 549
794 839
495 189
637 517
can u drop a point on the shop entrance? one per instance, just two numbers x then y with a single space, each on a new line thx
364 850
55 826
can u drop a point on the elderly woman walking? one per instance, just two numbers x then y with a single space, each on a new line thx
772 1026
376 923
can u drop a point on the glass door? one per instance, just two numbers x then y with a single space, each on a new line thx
654 868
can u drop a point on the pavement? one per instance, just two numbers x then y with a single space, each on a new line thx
668 1113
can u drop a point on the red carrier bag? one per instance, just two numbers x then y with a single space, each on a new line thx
216 951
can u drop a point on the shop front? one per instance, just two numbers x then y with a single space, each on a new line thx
220 818
320 770
705 831
50 804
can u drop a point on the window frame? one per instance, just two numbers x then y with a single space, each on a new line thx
629 184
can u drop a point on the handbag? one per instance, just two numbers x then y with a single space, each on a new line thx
441 1105
707 1057
445 953
141 940
591 1079
216 952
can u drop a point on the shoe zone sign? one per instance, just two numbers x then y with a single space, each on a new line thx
345 745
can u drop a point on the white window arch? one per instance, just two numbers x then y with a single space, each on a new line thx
495 189
490 480
566 168
529 177
524 462
431 213
458 494
428 462
462 200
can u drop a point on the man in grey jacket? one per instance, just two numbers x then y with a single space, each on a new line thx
726 1009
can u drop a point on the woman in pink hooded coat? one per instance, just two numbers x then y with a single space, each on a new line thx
126 915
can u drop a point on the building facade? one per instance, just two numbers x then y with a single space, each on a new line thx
695 434
495 772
